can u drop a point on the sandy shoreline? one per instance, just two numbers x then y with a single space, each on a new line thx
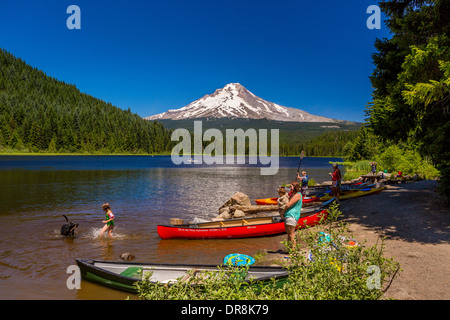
416 223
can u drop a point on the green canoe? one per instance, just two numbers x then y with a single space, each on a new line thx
122 275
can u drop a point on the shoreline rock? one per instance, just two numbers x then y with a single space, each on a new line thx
239 205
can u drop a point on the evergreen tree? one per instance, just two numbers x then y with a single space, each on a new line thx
411 80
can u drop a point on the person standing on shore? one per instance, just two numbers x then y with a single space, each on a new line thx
336 181
373 165
292 213
109 222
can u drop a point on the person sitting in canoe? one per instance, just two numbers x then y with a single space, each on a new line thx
304 178
109 222
292 213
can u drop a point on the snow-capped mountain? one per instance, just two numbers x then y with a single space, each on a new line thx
235 101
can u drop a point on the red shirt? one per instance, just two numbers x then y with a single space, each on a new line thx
336 175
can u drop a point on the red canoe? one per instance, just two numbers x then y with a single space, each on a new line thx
237 228
272 201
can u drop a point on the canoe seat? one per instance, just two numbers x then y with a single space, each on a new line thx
132 272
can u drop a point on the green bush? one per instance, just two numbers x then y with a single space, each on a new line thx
354 170
337 272
395 158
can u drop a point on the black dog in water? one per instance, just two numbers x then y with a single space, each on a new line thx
68 229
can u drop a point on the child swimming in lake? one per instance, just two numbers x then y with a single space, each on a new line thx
109 222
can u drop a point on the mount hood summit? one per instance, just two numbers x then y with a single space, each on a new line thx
235 101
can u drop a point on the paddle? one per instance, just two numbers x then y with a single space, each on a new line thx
302 154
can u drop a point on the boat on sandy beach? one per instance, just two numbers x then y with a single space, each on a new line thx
320 189
240 228
350 194
326 195
123 275
273 200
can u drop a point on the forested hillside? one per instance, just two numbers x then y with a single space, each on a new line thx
330 144
40 113
315 138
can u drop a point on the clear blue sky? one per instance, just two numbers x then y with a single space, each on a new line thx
152 56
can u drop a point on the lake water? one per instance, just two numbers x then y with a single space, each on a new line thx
143 191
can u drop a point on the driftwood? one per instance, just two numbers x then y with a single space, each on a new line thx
239 206
255 209
266 208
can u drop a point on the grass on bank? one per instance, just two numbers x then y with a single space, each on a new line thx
336 272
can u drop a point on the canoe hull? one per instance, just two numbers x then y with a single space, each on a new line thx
353 194
107 273
93 274
266 201
236 232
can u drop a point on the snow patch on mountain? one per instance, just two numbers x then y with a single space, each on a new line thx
235 101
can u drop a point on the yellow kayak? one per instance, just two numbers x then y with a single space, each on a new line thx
272 201
353 194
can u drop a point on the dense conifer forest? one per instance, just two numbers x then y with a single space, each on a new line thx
41 114
317 139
